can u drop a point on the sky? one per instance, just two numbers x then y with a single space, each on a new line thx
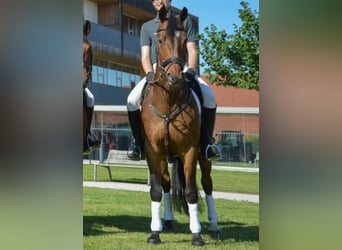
222 13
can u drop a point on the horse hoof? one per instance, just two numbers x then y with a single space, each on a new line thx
168 225
214 228
215 234
154 238
197 240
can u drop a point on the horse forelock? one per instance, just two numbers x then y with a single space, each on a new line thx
171 25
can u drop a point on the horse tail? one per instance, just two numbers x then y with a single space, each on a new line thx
178 187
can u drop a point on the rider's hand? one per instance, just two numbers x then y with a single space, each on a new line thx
190 74
150 76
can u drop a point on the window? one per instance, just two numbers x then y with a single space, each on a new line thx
131 26
114 74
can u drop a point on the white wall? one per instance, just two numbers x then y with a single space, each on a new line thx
90 11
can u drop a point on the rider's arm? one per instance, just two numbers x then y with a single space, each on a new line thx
192 54
145 59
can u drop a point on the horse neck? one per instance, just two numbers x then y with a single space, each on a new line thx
172 95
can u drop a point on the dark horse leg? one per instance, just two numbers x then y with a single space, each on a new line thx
207 185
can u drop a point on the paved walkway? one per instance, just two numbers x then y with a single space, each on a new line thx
227 168
146 188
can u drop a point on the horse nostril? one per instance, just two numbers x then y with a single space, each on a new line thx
170 78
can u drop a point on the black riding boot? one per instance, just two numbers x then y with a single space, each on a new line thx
135 151
209 150
92 140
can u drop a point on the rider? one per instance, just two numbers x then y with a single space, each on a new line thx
88 97
148 42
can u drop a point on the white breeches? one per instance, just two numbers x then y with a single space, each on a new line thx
134 97
90 99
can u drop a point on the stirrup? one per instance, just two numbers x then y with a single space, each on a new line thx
212 153
135 154
93 142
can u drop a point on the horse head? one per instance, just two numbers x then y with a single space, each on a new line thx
172 49
87 54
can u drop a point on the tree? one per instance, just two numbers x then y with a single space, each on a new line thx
233 59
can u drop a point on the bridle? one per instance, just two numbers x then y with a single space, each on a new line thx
165 65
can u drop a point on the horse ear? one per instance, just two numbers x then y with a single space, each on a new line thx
86 28
163 14
184 14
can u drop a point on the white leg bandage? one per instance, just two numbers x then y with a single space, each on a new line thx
156 224
195 226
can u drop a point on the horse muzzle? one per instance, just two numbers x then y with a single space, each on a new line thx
174 79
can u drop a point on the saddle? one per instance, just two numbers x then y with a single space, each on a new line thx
195 86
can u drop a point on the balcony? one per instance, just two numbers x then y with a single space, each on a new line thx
144 5
108 40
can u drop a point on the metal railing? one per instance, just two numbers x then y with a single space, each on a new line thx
112 127
235 146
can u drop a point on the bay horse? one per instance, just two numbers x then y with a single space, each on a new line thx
171 129
87 71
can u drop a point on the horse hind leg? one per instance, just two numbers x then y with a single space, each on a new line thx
207 185
168 213
212 215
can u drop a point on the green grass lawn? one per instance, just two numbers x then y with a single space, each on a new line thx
224 181
117 219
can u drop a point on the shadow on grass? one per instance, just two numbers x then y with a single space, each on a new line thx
236 231
101 225
96 225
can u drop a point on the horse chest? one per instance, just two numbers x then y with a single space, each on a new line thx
176 131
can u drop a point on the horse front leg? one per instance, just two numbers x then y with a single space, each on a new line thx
156 196
191 196
207 185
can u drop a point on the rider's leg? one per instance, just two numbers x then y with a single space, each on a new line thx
133 107
209 150
90 101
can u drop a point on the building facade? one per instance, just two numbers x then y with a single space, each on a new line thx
115 37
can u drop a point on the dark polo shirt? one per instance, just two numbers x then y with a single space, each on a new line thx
148 35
